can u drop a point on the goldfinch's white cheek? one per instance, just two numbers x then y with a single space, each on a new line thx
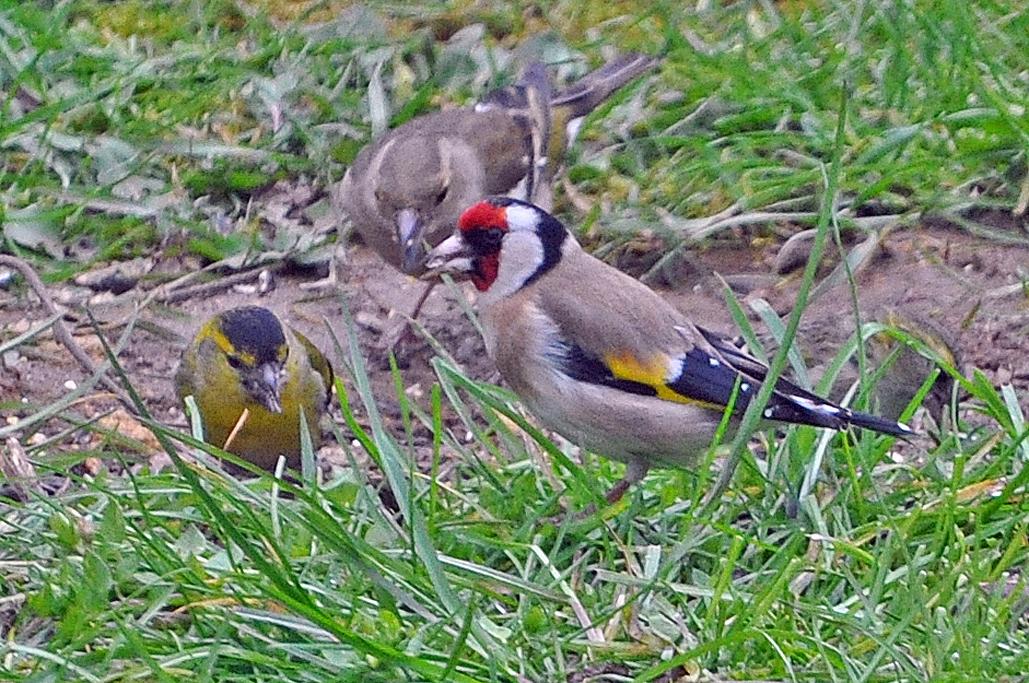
520 257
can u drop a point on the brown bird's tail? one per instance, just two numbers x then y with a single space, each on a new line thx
583 96
553 118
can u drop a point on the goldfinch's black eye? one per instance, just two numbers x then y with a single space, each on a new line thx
235 362
485 240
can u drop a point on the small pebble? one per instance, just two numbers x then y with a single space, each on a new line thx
70 385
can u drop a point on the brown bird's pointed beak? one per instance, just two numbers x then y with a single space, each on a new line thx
409 235
450 256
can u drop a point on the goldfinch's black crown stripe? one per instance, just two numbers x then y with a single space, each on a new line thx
552 235
254 330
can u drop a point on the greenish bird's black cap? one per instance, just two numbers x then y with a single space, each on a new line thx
254 330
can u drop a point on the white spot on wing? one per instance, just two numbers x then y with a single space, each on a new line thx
675 368
808 404
713 362
745 386
769 413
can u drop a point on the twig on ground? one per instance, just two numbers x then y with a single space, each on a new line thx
60 331
163 294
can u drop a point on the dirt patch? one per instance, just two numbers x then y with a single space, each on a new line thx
966 286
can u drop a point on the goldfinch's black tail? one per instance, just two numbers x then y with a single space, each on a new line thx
789 402
877 424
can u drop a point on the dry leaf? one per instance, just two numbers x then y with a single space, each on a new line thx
121 422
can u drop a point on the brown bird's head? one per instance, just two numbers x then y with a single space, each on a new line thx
423 183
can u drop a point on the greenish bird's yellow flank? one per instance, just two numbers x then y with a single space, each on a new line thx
245 358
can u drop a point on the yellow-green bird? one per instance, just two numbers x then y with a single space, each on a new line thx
245 358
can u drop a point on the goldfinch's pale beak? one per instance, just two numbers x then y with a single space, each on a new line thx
409 235
450 256
269 387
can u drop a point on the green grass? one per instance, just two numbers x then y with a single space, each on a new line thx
825 560
883 571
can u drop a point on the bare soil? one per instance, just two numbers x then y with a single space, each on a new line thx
966 286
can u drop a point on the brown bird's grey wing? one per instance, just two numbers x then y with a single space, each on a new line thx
534 78
528 101
503 143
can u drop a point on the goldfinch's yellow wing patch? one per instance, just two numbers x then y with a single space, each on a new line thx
658 375
659 372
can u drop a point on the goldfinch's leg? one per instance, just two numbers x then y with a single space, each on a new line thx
634 473
421 300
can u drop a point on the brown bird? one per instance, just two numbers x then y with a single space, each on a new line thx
406 190
601 358
907 368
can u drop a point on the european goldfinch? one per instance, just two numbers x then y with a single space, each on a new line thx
602 359
244 358
408 187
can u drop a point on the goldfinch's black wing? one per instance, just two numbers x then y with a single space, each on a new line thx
707 373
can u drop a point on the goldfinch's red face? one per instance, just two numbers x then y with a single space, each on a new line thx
522 235
482 228
474 250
